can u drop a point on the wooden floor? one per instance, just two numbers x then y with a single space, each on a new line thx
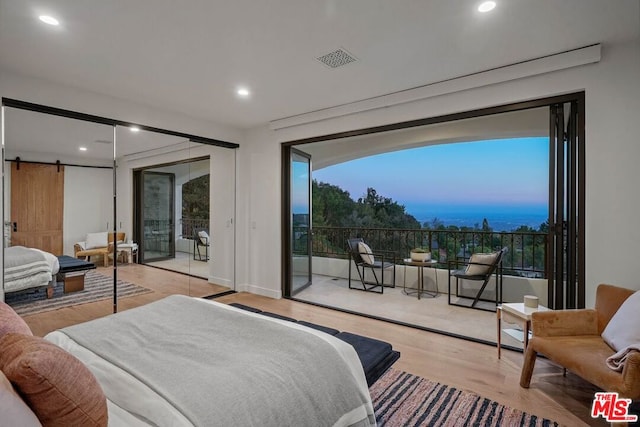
455 362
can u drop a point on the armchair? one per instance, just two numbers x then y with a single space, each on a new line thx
572 339
100 244
365 260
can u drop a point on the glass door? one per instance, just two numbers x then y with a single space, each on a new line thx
300 215
157 212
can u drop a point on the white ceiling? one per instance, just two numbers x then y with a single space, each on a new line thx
190 56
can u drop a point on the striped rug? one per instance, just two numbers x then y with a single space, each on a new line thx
96 287
402 399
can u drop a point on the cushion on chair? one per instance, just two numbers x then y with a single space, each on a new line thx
480 264
96 240
365 253
204 237
622 331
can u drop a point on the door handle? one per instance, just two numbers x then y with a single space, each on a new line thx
15 227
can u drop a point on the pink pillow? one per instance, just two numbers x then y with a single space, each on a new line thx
10 321
13 410
59 388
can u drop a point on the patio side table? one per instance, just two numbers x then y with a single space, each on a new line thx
421 265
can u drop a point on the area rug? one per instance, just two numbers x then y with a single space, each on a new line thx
402 399
96 287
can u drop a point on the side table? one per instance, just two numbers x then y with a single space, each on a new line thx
421 265
516 312
130 249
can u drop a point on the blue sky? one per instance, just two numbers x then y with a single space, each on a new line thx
505 173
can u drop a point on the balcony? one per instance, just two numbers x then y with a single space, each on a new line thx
524 269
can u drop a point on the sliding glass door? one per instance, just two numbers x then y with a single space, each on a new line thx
300 217
157 215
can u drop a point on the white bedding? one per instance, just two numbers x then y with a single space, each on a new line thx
26 268
133 402
52 260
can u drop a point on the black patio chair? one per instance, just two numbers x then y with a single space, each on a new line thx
479 268
365 259
201 239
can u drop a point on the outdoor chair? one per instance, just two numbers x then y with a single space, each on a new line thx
365 260
201 239
479 268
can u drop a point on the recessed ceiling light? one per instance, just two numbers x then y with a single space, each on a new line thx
134 129
486 6
49 20
243 92
82 148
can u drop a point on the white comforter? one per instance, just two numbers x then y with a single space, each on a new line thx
27 268
240 368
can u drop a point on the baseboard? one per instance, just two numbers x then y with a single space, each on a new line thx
220 281
265 292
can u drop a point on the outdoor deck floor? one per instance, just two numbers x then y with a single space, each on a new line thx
433 313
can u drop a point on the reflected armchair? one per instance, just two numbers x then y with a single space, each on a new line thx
97 244
365 260
479 268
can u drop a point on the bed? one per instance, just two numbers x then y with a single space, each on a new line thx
187 361
26 268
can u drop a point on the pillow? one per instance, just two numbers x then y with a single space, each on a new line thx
10 322
13 410
622 330
365 253
480 264
204 237
56 386
96 240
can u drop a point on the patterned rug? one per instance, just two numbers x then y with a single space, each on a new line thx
402 399
96 287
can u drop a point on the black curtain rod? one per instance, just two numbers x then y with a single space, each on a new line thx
19 160
39 108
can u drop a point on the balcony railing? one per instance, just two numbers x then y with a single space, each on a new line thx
188 224
526 255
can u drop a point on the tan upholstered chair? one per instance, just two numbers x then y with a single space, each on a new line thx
81 252
572 339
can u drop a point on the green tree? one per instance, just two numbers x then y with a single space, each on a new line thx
195 198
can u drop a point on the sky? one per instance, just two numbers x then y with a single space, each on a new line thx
506 174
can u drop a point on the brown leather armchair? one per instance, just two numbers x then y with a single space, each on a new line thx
571 338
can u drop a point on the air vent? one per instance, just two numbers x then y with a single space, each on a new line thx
337 58
102 141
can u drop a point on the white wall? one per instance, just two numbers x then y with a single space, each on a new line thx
612 150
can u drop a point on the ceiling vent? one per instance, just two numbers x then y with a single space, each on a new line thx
102 141
337 58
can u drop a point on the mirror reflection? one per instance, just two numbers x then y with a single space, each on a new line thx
58 198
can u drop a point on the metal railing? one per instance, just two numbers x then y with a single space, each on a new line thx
526 255
188 224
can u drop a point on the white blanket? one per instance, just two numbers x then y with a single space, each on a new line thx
617 361
25 268
187 361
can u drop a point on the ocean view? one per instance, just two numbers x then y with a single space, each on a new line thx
501 218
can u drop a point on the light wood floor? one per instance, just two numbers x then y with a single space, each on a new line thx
463 364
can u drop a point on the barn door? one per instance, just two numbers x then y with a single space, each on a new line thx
37 201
